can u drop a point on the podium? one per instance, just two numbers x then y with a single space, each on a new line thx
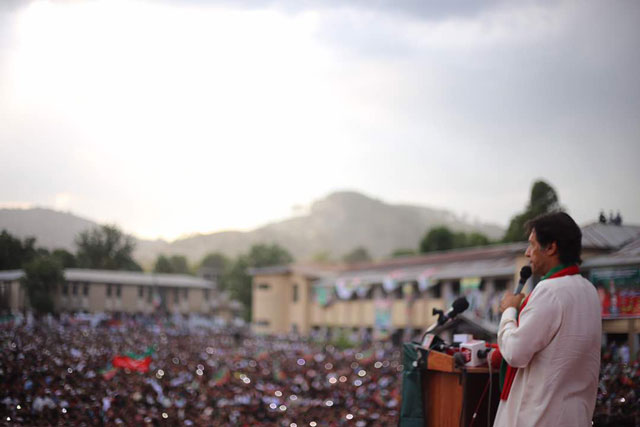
451 395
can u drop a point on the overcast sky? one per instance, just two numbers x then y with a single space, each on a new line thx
195 116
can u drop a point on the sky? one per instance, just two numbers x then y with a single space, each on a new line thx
176 117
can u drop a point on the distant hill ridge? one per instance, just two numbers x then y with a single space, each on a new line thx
335 224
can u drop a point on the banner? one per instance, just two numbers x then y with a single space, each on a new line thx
619 291
382 318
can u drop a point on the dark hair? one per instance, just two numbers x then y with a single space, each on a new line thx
560 228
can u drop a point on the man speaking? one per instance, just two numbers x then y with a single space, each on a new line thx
551 340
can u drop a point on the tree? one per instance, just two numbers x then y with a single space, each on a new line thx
107 248
238 279
477 239
15 253
162 265
359 254
65 258
179 264
399 253
215 260
543 200
41 276
437 239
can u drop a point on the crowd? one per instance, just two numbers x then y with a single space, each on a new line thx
618 403
59 372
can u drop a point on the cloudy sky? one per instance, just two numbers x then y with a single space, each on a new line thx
194 116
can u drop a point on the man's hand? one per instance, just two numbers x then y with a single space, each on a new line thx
511 300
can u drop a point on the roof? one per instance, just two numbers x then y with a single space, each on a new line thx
122 277
136 278
629 254
608 236
11 275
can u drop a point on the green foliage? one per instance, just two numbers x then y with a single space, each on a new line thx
65 258
237 279
215 260
175 264
359 254
322 257
179 264
42 275
15 253
162 265
399 253
543 200
442 239
106 248
342 342
437 239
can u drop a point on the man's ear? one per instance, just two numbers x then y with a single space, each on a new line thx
552 249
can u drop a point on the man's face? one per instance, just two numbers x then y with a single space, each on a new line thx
540 257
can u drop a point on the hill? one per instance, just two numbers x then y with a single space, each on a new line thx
335 224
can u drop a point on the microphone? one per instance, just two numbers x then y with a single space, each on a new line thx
458 306
525 273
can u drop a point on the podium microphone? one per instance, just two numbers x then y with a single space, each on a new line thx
458 306
525 273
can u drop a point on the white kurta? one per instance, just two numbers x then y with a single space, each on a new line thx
556 348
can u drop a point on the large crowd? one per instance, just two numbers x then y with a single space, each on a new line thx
59 372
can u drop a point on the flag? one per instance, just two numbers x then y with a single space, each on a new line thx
367 356
147 353
278 373
126 362
108 372
262 355
221 377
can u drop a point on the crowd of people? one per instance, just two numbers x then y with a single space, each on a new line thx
59 372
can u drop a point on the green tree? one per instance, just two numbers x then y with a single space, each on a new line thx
106 248
14 253
42 275
238 279
398 253
477 239
65 258
359 254
215 260
162 265
437 239
543 200
179 264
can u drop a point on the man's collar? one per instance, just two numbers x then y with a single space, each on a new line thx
553 271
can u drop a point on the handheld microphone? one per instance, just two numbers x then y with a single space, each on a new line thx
525 273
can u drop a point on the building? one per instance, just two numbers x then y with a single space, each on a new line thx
381 298
123 291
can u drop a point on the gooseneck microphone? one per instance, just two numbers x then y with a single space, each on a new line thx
525 273
458 306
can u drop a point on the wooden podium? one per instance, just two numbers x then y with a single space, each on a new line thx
451 395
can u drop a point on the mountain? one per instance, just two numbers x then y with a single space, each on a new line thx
52 229
335 224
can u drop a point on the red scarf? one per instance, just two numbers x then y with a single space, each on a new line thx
511 371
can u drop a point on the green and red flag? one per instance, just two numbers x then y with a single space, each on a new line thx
262 355
108 372
221 377
368 356
278 373
147 353
126 362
